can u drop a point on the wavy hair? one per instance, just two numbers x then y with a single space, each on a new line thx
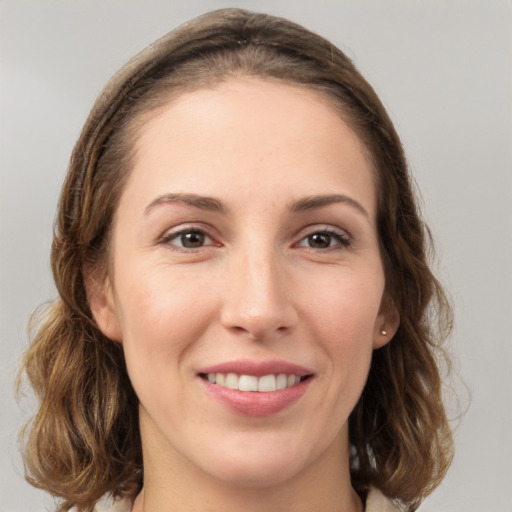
84 440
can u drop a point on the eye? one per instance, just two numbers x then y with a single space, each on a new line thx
188 239
324 239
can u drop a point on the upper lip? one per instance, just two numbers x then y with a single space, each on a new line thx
257 368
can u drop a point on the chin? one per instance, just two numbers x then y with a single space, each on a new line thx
256 467
245 475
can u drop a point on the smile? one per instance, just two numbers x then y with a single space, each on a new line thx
256 388
252 383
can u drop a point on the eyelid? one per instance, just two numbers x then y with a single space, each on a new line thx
323 228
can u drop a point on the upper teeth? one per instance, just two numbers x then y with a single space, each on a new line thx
253 383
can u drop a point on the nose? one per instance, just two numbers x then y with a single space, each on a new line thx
258 297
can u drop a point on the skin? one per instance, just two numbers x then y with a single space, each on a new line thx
258 288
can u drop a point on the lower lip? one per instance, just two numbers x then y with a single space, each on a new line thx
253 403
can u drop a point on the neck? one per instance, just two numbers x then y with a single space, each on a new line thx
250 500
324 485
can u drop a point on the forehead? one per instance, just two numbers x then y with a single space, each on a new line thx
246 98
245 133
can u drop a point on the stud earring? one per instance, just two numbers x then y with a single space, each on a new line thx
383 332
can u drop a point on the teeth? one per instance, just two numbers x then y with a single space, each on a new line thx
248 383
262 384
281 381
231 381
266 383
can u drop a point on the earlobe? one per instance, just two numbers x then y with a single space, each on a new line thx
387 323
101 302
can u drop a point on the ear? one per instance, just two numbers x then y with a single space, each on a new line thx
102 304
386 324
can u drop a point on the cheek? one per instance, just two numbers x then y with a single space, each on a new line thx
343 316
346 306
340 318
160 317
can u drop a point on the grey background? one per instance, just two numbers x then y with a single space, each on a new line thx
443 69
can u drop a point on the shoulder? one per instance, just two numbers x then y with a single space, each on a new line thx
377 502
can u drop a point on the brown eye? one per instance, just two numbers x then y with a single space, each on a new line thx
322 240
192 239
319 240
188 239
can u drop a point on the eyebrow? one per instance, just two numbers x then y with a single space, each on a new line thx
313 202
202 202
214 205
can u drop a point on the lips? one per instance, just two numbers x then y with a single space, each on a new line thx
256 388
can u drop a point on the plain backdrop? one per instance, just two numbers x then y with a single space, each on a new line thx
444 71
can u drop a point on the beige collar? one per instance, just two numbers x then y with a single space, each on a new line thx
377 502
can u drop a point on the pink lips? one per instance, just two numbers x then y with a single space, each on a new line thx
257 403
257 368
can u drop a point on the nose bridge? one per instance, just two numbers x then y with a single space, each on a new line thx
257 299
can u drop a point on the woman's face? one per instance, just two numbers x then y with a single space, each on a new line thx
245 255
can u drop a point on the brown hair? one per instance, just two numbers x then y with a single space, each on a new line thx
84 440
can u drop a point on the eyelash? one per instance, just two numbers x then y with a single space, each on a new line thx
342 240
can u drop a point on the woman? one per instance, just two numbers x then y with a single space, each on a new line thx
246 320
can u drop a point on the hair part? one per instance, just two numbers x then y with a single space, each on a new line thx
84 440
